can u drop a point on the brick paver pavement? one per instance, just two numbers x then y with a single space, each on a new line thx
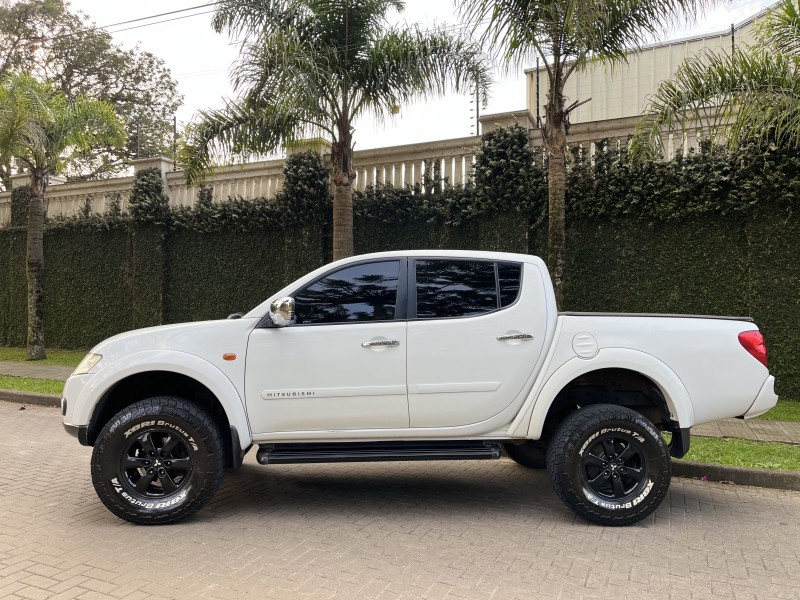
487 529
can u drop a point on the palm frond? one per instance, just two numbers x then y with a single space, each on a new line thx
248 17
574 30
753 94
410 64
240 129
781 28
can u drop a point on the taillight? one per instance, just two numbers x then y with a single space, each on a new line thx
753 342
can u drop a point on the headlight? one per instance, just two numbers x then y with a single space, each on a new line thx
87 364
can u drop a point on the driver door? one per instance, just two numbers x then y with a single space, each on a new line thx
342 364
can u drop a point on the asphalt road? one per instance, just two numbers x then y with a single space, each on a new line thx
394 530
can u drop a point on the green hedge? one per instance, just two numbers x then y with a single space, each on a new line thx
711 234
99 283
773 235
211 275
13 291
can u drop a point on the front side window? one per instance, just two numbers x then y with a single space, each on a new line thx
363 292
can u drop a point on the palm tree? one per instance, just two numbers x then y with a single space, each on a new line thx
312 68
566 35
749 95
42 131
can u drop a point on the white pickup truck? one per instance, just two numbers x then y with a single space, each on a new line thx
422 355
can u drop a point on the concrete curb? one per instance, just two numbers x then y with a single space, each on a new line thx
765 478
30 398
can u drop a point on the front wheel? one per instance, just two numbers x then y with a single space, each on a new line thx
158 461
609 464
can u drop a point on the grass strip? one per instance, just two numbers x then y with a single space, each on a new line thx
63 358
785 410
737 452
29 384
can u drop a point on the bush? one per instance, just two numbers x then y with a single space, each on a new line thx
506 175
20 199
148 202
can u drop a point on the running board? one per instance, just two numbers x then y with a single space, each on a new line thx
273 454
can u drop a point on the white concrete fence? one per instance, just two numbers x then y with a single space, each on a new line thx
398 165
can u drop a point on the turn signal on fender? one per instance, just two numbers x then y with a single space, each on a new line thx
229 356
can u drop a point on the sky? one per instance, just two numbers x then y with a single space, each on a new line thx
200 61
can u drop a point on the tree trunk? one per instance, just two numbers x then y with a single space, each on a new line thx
343 176
35 266
554 136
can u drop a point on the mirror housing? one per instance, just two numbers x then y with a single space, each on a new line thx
281 312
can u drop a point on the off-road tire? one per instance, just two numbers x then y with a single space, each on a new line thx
528 454
158 461
609 464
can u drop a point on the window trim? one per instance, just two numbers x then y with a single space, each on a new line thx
412 282
401 299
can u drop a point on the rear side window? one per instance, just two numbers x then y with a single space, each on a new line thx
509 276
364 292
465 288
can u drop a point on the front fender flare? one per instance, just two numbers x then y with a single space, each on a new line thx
678 400
173 361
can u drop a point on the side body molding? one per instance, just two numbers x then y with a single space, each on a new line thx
175 362
677 397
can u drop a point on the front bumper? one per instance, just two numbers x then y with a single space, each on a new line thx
765 400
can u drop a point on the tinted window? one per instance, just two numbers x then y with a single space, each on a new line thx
455 288
366 292
508 274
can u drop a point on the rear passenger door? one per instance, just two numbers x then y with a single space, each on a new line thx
476 329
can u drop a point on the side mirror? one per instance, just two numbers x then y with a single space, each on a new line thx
281 312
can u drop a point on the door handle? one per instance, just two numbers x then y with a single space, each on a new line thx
525 337
373 343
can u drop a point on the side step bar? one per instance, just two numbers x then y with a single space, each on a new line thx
274 454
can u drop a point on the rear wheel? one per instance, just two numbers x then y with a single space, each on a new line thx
528 454
158 461
609 464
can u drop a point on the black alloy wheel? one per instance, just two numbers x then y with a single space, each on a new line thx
158 460
614 467
155 464
609 464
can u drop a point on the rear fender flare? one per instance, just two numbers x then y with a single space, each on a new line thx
678 400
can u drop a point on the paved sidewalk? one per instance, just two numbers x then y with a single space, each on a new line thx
34 370
751 429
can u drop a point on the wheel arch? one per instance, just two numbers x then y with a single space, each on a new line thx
609 363
152 373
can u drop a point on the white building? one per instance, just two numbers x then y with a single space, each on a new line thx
622 90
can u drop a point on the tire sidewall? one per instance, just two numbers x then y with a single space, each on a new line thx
566 469
634 433
109 480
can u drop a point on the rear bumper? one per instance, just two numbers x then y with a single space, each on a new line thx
765 400
78 431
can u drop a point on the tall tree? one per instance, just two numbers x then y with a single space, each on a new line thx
749 95
41 129
46 39
312 68
566 35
